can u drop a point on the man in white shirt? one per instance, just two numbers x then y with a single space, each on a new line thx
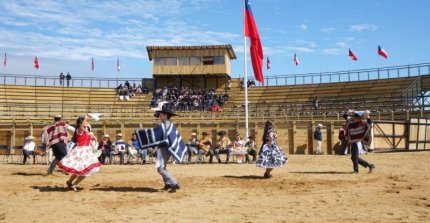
28 149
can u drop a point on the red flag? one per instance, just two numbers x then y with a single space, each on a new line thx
36 63
382 52
268 63
352 55
118 67
92 64
256 50
5 60
296 60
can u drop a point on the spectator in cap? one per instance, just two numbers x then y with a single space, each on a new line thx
251 149
118 148
318 139
205 149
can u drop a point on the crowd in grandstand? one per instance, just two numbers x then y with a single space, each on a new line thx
187 99
127 90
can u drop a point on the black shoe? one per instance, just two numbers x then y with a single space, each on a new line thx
219 160
174 188
167 186
371 168
267 176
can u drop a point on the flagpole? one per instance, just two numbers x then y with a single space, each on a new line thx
245 76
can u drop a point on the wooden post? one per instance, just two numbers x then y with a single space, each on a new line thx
122 128
311 127
31 129
292 136
12 138
331 139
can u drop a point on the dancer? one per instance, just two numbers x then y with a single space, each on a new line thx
163 154
56 136
82 160
358 133
271 154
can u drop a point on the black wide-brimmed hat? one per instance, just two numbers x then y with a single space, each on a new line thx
222 133
163 108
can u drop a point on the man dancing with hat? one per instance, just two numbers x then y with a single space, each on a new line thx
163 154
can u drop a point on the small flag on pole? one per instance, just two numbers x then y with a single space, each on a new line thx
92 63
118 67
382 52
268 63
5 60
296 60
36 63
352 55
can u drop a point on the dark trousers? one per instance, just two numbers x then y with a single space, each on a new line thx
219 151
27 154
355 157
251 152
60 151
342 147
102 157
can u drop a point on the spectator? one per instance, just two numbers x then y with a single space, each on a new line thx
62 79
242 84
193 145
127 84
251 148
28 149
132 148
119 88
68 77
228 84
318 139
315 104
251 84
145 90
118 148
223 146
205 145
105 147
238 149
215 108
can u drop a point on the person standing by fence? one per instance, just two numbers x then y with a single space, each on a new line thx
318 139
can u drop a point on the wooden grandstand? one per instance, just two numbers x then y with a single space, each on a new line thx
25 109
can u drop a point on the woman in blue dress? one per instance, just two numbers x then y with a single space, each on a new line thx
271 154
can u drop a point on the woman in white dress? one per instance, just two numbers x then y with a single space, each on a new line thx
239 149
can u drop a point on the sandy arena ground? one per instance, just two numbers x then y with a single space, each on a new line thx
309 189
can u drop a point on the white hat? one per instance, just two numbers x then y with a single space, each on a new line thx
119 135
106 135
319 125
193 134
29 138
57 116
159 106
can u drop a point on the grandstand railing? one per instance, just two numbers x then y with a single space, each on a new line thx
348 76
91 82
279 80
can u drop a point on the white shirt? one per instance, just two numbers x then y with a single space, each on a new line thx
30 146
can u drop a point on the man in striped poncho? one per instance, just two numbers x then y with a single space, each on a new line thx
357 133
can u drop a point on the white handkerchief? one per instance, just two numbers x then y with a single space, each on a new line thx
95 116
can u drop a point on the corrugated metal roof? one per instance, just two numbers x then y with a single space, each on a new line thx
228 47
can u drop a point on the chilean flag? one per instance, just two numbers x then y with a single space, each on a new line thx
256 50
268 66
382 52
296 60
352 55
92 63
5 60
118 67
36 63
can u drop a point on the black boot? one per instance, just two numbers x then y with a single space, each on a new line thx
219 160
174 188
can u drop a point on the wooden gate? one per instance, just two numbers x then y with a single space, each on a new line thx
419 135
390 135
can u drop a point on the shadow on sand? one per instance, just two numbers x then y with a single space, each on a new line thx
27 174
126 189
320 172
247 177
51 189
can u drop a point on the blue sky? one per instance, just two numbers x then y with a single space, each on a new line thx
65 35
